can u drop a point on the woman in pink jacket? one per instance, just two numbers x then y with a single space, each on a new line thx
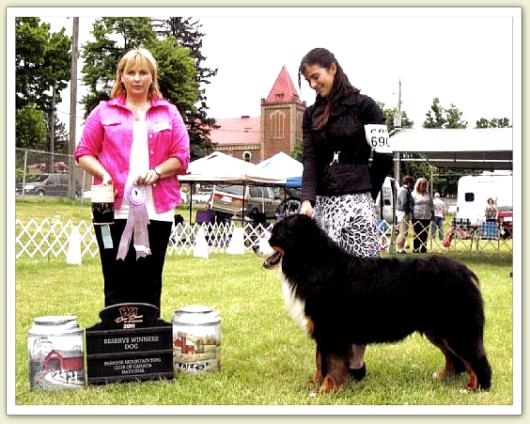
138 143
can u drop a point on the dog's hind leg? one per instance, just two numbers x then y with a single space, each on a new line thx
482 369
453 365
474 357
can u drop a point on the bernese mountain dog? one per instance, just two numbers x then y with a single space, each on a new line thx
340 300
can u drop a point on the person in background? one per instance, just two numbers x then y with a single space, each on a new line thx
404 210
137 142
439 214
338 185
490 214
422 215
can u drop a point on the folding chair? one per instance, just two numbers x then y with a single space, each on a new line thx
488 233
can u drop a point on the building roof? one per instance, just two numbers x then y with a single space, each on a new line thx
243 130
246 129
283 89
477 148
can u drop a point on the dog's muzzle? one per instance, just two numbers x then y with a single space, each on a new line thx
273 260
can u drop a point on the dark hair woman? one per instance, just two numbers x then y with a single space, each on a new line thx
338 185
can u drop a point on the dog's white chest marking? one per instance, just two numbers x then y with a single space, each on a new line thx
295 306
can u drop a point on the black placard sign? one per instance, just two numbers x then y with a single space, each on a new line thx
130 343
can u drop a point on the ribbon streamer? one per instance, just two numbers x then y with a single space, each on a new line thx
136 225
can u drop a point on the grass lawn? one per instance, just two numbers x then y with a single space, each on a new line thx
40 208
266 359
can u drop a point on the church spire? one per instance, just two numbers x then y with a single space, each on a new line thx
283 90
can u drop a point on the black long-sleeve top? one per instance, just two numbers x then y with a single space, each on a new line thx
342 138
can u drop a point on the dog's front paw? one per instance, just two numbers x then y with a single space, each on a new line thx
316 380
330 385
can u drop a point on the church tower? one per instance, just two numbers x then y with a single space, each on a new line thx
281 117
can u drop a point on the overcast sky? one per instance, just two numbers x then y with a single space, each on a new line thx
462 56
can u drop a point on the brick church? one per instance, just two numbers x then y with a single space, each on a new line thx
278 129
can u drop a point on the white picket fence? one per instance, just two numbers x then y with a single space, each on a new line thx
50 238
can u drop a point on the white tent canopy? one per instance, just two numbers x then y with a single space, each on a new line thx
220 167
483 148
282 165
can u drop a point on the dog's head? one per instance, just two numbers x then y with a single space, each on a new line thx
293 232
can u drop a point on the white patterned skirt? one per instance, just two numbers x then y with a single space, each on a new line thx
349 220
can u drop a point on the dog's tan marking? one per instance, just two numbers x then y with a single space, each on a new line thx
336 376
318 377
472 384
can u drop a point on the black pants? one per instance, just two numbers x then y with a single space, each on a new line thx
421 233
132 280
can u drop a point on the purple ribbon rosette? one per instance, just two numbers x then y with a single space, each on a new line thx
136 225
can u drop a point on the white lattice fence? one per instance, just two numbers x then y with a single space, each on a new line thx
49 237
218 237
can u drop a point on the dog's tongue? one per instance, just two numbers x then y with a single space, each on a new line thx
273 260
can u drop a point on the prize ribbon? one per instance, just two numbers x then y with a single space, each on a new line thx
136 224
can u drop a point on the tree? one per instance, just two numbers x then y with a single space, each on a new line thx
176 74
500 123
42 61
439 117
493 123
435 118
113 37
31 128
482 123
454 118
187 33
61 135
298 152
389 117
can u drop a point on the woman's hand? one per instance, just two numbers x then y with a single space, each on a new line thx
149 178
106 179
306 208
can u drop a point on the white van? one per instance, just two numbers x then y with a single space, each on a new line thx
385 209
474 192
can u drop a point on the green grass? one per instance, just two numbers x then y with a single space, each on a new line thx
39 208
265 358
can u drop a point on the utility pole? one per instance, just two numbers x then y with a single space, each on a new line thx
399 98
397 176
397 124
51 161
73 108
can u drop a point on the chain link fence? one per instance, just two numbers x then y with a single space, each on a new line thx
47 174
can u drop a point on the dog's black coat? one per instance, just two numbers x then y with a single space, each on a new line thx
352 300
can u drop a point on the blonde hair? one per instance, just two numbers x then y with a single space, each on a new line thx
136 56
421 182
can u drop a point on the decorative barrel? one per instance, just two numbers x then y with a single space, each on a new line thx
102 197
55 348
196 339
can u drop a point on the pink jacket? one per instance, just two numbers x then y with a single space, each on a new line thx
108 137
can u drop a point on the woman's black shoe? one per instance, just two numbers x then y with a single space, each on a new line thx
358 373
